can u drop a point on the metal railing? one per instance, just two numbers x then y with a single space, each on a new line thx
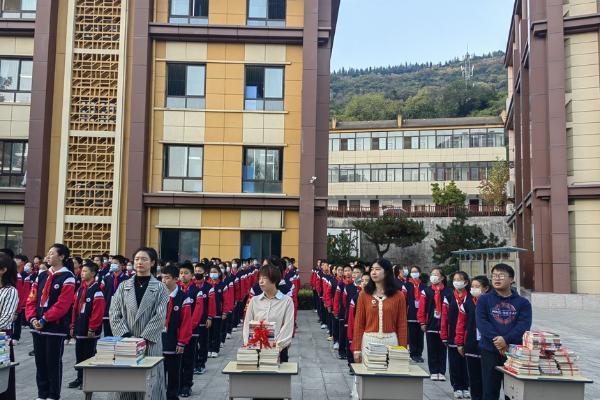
415 211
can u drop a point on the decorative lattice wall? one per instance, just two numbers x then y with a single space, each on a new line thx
92 128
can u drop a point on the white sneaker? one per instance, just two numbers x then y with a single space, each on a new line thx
458 394
466 394
441 377
315 310
336 346
234 329
228 336
215 355
15 342
323 326
434 377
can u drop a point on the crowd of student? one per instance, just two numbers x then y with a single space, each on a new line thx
186 318
468 322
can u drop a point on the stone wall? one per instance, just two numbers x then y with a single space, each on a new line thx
421 254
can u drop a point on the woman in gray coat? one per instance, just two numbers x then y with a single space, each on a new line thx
139 309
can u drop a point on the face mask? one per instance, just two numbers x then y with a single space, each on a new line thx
475 292
27 268
405 272
234 265
459 284
222 270
114 267
228 269
129 267
415 275
158 270
434 279
357 281
214 276
43 268
199 276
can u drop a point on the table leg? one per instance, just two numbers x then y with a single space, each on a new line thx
88 395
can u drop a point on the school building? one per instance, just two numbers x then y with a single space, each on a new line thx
553 63
198 127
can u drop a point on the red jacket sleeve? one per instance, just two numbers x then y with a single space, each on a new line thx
22 292
231 296
212 304
30 309
319 285
64 302
327 294
461 327
184 333
198 309
444 322
351 310
336 302
98 308
422 311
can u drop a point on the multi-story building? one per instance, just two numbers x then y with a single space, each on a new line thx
194 126
554 128
381 164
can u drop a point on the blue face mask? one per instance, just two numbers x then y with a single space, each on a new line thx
415 275
214 276
114 267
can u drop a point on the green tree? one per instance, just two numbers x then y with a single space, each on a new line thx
493 189
422 105
388 229
460 236
341 249
448 195
371 107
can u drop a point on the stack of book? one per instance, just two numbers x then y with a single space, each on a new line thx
398 359
4 348
105 349
565 360
270 326
130 351
554 358
541 340
548 367
247 359
521 360
268 359
375 357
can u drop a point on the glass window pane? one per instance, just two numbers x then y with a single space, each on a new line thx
195 162
173 185
169 245
192 185
274 83
257 8
189 244
9 74
177 161
6 157
29 5
176 79
17 157
276 9
14 238
180 7
195 80
25 77
176 102
254 83
200 8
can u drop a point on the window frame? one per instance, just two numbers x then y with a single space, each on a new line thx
263 181
179 232
266 22
263 101
191 19
186 97
17 91
23 167
262 234
21 13
183 179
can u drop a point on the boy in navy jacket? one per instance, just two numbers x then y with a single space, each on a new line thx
502 318
86 320
188 287
178 330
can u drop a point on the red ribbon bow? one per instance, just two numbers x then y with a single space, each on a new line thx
260 336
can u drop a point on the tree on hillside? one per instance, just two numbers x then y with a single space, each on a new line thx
448 195
341 249
460 236
371 107
421 105
493 189
388 229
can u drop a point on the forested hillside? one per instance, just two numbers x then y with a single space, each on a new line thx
420 90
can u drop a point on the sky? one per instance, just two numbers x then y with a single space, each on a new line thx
392 32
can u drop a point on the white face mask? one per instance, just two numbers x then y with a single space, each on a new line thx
228 269
459 284
27 268
234 265
415 275
405 272
475 292
434 279
129 267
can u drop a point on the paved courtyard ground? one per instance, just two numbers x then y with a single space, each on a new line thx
322 375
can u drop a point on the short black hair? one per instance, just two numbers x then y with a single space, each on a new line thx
92 266
21 257
504 268
79 260
359 267
171 270
485 282
187 265
8 252
120 259
271 272
9 278
417 267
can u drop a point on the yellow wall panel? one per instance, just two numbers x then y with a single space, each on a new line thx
236 12
229 252
215 86
211 217
291 220
235 72
233 153
230 218
229 237
235 52
290 237
233 120
234 102
232 184
232 169
217 51
208 251
291 187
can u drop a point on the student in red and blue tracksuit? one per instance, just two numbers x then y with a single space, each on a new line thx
110 284
86 319
339 310
200 317
216 311
228 303
430 318
188 287
453 302
178 330
467 335
412 289
47 311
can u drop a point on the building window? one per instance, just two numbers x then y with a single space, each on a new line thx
260 244
178 245
347 142
189 12
362 173
18 9
264 88
394 172
262 170
183 168
15 80
477 138
266 13
443 140
379 141
363 141
411 140
426 172
11 237
378 173
411 172
427 140
460 139
334 174
347 173
13 163
185 85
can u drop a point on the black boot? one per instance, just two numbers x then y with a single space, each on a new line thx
74 384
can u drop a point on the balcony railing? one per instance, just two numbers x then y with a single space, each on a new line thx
415 211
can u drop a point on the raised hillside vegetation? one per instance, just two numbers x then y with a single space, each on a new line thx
420 90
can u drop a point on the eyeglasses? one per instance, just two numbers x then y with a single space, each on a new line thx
499 276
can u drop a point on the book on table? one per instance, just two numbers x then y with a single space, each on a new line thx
268 359
130 351
105 349
247 359
398 359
